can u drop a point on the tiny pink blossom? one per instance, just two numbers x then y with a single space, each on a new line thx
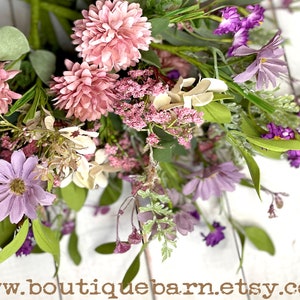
6 95
111 34
84 91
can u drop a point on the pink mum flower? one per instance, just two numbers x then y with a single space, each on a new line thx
21 191
111 34
6 95
84 90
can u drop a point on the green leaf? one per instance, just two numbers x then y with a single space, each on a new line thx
74 196
13 43
275 145
253 169
16 243
46 239
163 154
61 11
215 112
151 58
249 127
6 231
260 239
43 62
107 248
131 272
73 248
158 25
112 192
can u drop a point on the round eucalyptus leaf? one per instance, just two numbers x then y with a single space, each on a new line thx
43 62
13 43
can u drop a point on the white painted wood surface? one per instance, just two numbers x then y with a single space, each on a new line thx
192 261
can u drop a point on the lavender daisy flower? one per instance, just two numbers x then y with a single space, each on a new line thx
212 181
21 190
215 236
231 21
267 66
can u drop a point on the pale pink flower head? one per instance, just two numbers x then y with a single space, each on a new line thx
84 90
21 190
6 95
111 34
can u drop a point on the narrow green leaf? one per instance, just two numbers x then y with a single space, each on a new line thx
43 62
275 145
73 248
131 272
249 127
74 196
6 231
13 43
260 239
215 112
253 169
107 248
46 239
29 95
16 243
151 58
112 192
61 11
242 241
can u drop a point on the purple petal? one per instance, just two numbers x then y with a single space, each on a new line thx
17 162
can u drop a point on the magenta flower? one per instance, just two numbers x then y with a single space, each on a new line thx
267 66
240 38
28 244
215 236
84 91
231 21
212 181
278 132
21 191
6 95
122 247
111 34
255 18
293 157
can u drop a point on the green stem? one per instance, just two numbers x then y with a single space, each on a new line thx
34 24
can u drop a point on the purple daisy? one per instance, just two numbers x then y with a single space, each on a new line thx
267 66
21 191
215 236
212 181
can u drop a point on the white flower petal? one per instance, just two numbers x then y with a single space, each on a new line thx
216 85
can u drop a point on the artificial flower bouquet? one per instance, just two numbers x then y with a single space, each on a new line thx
173 97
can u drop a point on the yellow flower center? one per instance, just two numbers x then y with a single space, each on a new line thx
263 60
17 186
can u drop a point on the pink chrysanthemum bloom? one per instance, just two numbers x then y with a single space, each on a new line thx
84 90
6 95
21 190
111 34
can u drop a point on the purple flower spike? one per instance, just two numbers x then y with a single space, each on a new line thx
294 158
231 21
255 18
215 236
28 244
